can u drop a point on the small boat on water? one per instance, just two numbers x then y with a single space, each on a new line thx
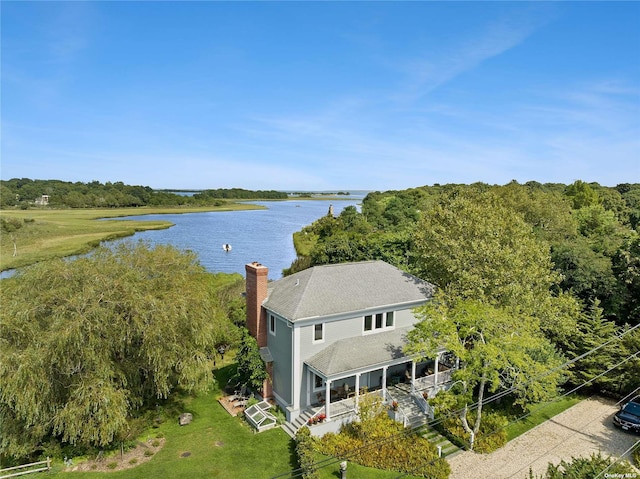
226 247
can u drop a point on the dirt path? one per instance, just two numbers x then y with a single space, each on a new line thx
579 431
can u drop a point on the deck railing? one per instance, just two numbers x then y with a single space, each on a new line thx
347 406
429 382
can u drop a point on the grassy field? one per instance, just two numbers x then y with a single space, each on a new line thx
49 233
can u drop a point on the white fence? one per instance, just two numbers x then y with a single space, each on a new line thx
38 467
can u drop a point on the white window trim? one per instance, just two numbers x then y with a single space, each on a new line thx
384 326
272 321
314 388
313 334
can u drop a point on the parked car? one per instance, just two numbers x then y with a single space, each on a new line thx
628 417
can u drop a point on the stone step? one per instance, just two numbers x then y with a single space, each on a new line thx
437 439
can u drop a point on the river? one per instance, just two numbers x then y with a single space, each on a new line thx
264 235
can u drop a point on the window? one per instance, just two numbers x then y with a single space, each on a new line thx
389 323
379 321
318 382
272 324
318 332
368 322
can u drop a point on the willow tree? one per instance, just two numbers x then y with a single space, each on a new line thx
86 343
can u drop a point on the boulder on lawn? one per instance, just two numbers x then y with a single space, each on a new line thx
185 418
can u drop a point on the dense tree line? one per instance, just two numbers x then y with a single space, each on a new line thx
23 193
241 194
589 230
557 267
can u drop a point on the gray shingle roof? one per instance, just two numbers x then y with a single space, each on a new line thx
342 288
359 352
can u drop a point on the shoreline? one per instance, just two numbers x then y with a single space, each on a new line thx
45 234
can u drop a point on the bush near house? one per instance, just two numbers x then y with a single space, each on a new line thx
492 434
306 454
379 442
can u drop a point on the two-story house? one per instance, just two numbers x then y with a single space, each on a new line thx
333 332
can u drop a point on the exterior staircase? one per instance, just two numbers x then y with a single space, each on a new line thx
416 418
291 428
447 448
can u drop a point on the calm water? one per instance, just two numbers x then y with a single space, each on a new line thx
265 236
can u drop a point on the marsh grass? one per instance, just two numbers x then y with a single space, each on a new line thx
49 233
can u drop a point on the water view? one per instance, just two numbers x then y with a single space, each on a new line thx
265 235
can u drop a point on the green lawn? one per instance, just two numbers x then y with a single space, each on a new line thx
541 413
332 471
220 446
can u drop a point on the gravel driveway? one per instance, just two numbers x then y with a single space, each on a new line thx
578 431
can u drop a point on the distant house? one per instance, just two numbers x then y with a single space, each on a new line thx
331 333
42 201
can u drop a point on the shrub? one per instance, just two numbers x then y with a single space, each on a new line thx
133 461
155 443
305 453
148 453
586 467
403 451
492 434
636 456
112 465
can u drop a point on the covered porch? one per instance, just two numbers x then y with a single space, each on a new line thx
339 376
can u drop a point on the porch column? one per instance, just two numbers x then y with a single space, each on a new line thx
413 377
435 367
357 389
384 383
327 398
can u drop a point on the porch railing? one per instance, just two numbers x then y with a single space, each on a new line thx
423 405
428 382
400 415
346 406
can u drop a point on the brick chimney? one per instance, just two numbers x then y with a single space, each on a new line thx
256 294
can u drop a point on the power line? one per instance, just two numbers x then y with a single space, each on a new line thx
574 390
633 446
329 461
628 358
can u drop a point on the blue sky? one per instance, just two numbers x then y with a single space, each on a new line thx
331 95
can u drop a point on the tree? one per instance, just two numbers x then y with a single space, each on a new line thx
592 332
498 347
86 344
588 274
548 213
627 270
581 194
252 370
473 247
